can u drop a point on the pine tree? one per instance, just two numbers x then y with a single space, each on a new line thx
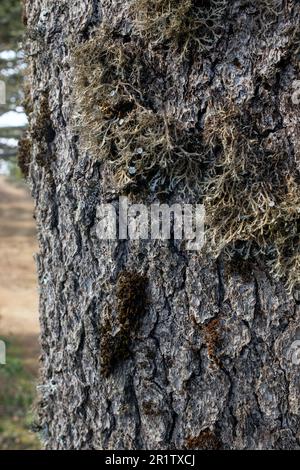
146 344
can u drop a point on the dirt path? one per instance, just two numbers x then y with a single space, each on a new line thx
19 326
18 287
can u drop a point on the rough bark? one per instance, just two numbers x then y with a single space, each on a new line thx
209 363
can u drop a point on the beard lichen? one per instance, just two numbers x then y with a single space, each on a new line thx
251 187
253 195
119 124
186 25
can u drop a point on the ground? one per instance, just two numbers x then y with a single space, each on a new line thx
19 325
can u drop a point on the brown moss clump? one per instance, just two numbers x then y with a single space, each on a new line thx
212 338
131 306
24 154
253 197
131 297
187 25
114 348
206 440
119 124
43 131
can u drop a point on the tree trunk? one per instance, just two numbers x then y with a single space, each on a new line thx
146 345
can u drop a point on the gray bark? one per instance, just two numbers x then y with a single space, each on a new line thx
207 364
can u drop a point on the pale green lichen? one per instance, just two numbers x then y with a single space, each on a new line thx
187 25
142 148
253 197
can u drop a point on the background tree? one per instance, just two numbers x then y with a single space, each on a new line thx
11 72
146 344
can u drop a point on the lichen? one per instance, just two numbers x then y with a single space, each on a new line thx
266 12
186 25
251 185
253 197
120 126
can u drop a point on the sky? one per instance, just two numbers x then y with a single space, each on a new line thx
13 119
8 55
10 142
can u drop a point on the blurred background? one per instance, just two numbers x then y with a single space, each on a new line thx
19 327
